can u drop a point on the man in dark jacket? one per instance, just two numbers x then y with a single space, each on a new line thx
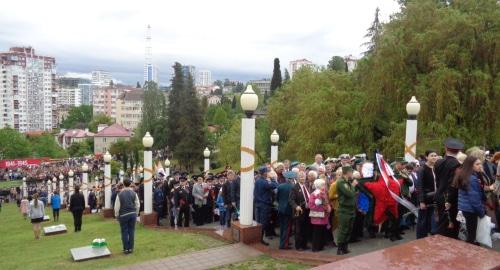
183 200
263 199
446 196
284 209
76 206
158 200
298 200
426 189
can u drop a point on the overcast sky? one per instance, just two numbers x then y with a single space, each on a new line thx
232 38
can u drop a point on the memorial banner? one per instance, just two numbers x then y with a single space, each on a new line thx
15 163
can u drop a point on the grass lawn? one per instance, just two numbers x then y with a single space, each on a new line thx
264 262
19 249
9 184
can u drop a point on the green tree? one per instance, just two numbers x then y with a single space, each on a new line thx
276 79
46 146
287 76
238 88
80 149
13 144
138 85
337 63
154 115
185 120
99 119
374 33
78 117
220 117
121 150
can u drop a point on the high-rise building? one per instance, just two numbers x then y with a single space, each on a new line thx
150 69
186 70
87 92
204 78
129 108
105 99
71 97
101 78
27 90
297 64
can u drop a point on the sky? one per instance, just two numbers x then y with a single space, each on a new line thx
232 38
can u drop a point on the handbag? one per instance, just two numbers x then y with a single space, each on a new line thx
316 214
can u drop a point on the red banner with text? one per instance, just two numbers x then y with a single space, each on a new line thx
16 163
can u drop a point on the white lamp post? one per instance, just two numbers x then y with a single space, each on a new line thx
25 188
49 191
54 184
85 184
167 168
61 188
107 181
122 173
275 137
249 102
147 142
412 108
70 182
206 154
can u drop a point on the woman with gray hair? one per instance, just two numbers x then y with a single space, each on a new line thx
319 213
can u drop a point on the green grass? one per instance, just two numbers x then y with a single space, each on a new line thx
19 249
264 262
9 184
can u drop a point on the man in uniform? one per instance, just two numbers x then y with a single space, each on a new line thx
182 202
346 197
284 209
263 199
446 197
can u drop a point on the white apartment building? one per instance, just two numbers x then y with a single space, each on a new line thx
71 97
27 90
104 100
297 64
101 78
263 85
87 92
351 62
204 78
129 108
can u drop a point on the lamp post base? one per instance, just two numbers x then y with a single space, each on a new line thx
86 211
108 213
246 234
148 219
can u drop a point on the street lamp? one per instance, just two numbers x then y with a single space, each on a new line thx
147 142
412 108
206 154
167 168
122 173
85 183
49 191
61 188
108 211
249 102
275 137
70 182
25 188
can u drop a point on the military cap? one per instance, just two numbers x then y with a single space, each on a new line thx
454 144
183 178
290 175
345 156
294 164
263 169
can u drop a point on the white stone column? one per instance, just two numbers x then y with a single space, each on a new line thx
85 188
148 181
49 191
412 108
274 154
71 184
107 185
247 170
61 189
25 188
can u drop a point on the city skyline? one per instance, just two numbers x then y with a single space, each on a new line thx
233 40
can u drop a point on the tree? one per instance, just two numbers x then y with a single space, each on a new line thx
13 144
121 150
138 85
220 117
46 146
238 88
80 149
78 117
154 115
99 119
185 120
337 63
233 103
276 79
287 76
373 34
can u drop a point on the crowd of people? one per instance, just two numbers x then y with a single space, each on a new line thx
330 202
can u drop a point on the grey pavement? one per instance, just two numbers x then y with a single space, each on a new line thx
203 259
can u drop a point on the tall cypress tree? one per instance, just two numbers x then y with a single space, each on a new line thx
287 76
276 80
373 34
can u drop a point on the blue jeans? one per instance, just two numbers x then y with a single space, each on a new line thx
425 222
127 226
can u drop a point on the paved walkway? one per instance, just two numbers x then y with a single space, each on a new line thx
200 260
